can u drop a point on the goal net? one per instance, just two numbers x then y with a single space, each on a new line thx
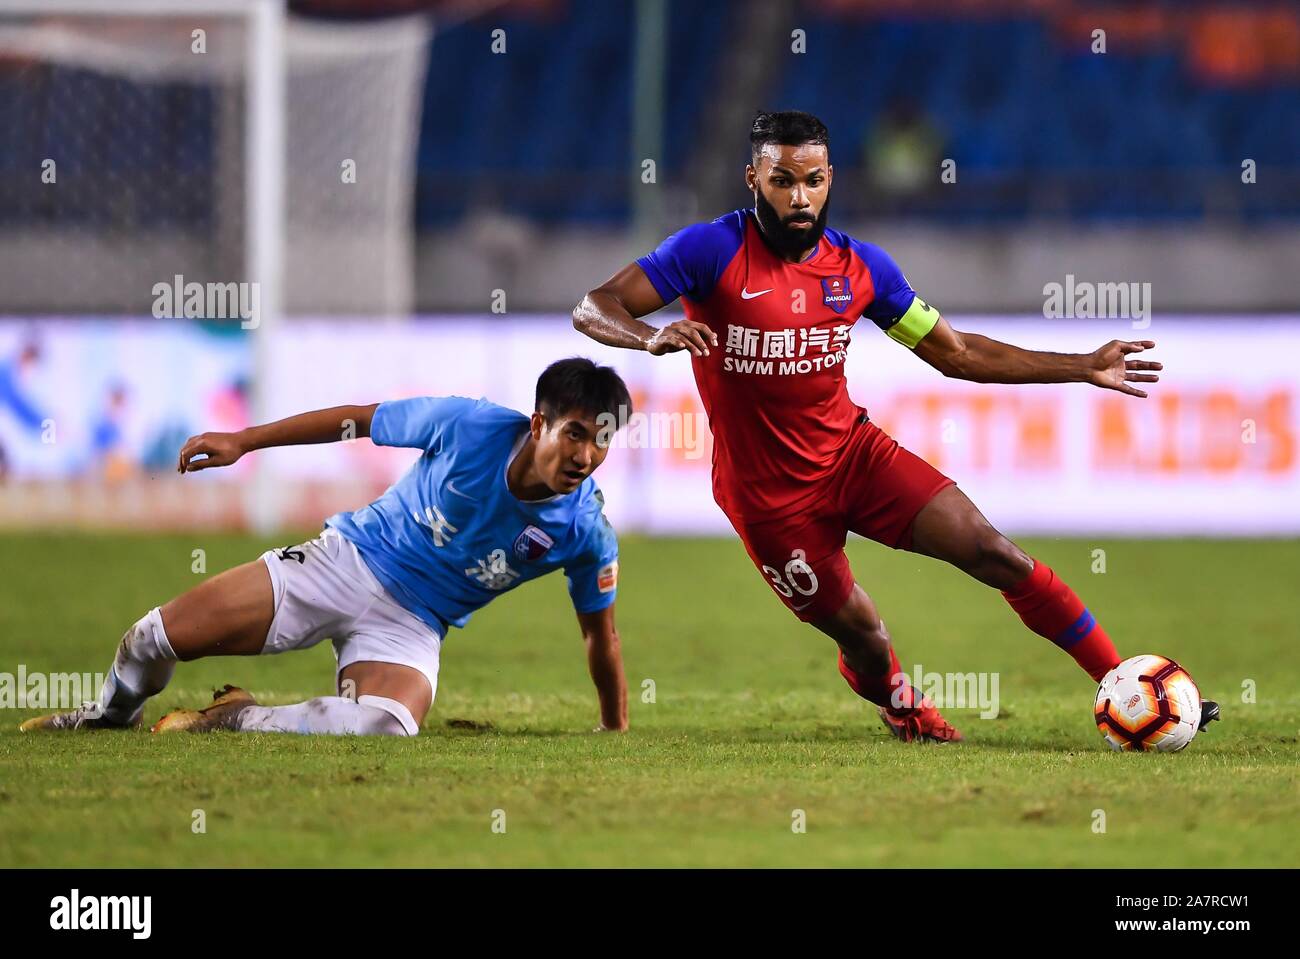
156 147
142 144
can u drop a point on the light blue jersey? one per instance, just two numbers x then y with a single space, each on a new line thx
449 536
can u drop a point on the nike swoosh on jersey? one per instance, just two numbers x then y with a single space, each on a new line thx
746 295
453 489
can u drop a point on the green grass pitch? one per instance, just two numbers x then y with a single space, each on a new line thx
750 723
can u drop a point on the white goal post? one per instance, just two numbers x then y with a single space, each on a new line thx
291 99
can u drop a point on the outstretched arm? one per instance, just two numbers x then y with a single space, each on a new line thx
969 356
605 663
318 426
611 313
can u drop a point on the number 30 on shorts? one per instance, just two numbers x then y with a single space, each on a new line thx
799 577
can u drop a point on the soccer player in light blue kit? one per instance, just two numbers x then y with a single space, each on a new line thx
496 498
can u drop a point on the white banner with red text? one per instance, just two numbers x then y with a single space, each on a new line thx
92 413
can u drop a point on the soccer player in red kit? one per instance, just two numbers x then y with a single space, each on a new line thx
771 296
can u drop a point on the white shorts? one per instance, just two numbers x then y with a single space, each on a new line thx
324 590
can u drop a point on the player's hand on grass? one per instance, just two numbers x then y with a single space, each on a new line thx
1111 369
221 449
682 335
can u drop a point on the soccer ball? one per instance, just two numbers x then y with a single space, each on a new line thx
1148 702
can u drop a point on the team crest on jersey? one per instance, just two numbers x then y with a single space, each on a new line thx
532 544
836 293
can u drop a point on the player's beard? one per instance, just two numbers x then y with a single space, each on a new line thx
786 240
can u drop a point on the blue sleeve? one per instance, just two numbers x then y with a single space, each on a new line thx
593 575
893 293
419 422
690 262
25 412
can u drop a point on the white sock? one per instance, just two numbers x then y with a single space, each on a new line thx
367 716
142 667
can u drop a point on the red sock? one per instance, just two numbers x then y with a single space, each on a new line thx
1052 610
880 689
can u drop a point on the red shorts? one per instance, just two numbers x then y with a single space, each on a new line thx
875 490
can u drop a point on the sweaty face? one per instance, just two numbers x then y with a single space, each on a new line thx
791 186
569 448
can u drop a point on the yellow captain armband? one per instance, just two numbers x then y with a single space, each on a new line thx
912 327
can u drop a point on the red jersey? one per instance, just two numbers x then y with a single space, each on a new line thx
774 388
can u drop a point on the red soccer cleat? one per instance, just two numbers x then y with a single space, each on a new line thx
922 724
